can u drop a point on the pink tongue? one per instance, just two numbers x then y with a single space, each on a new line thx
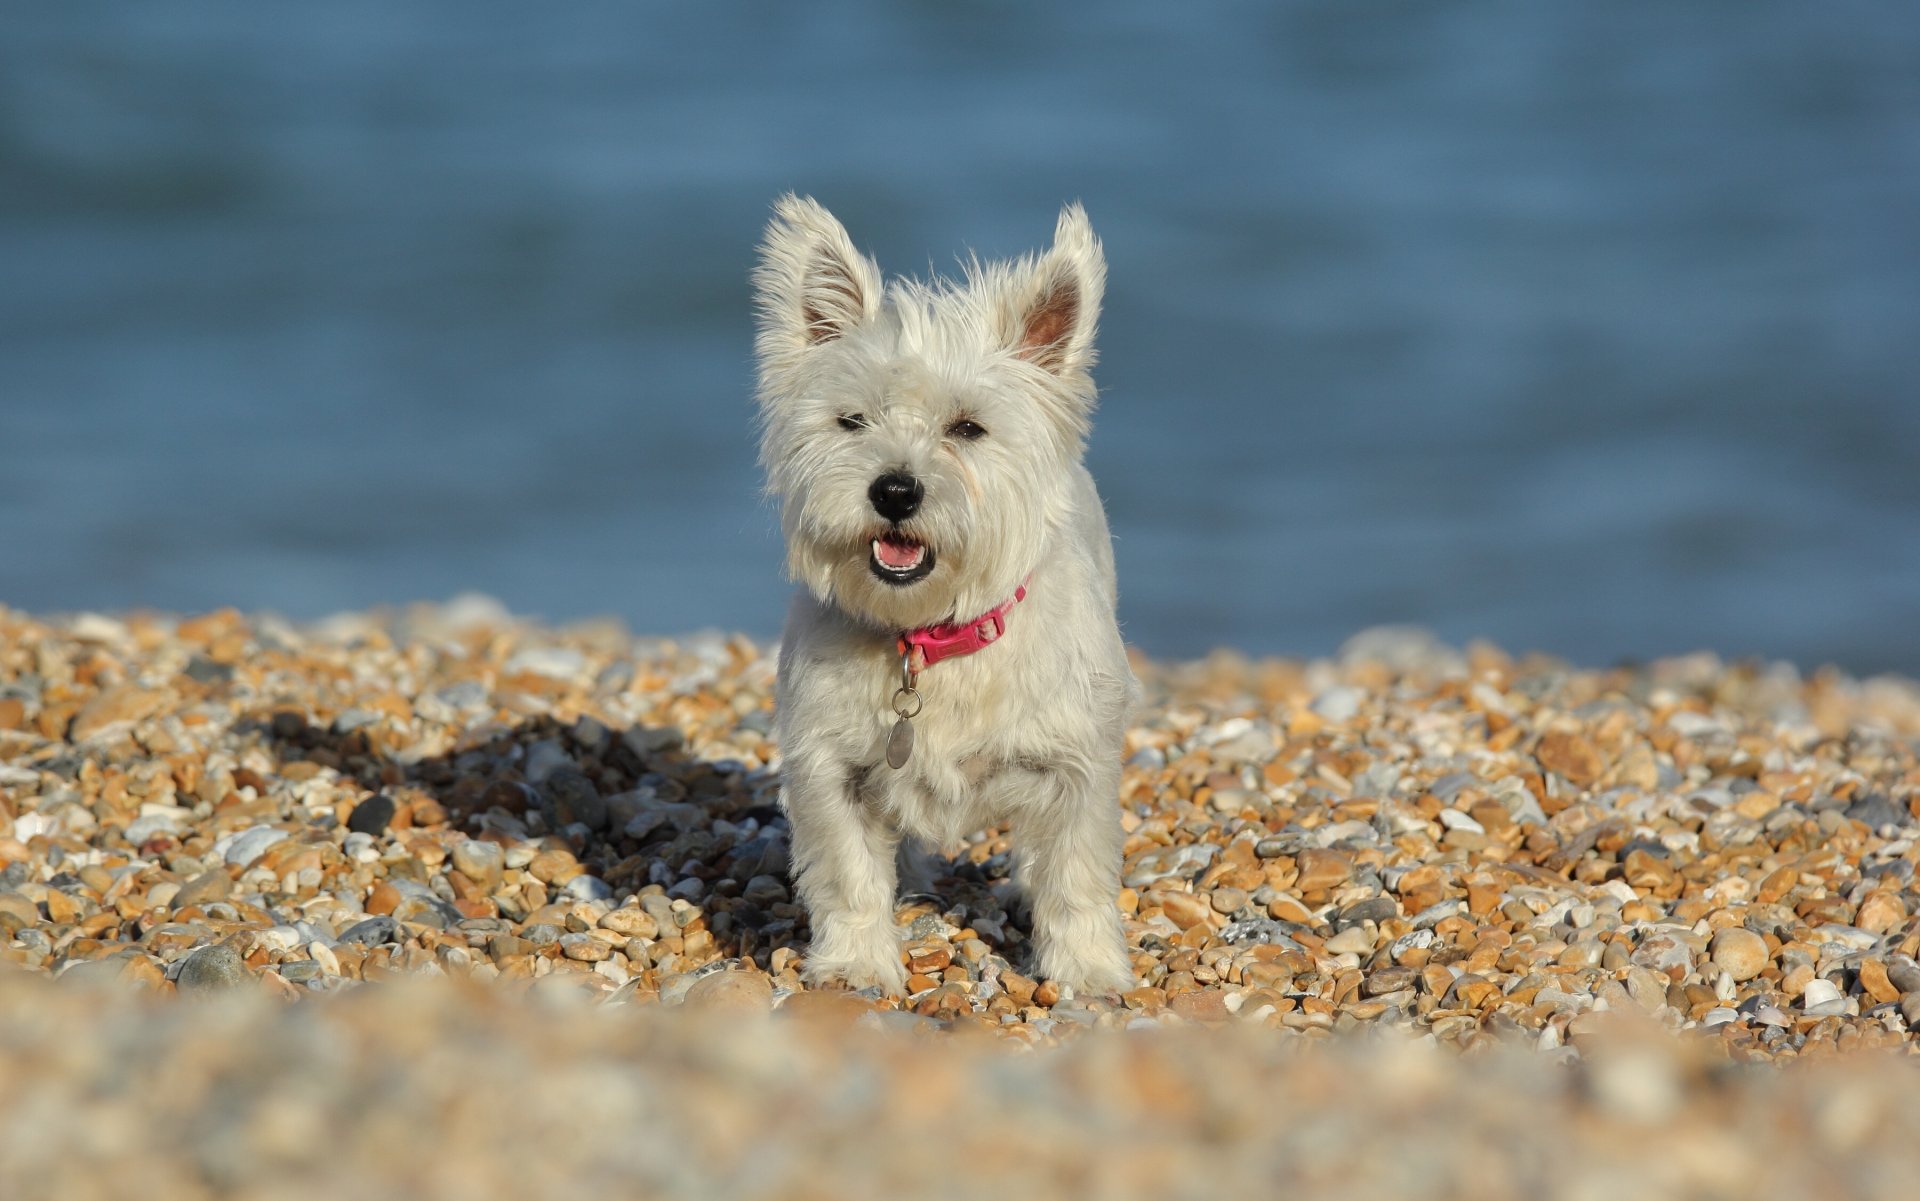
898 554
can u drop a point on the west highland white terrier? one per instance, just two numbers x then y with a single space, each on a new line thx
951 659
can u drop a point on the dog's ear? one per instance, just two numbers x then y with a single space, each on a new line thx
811 285
1055 305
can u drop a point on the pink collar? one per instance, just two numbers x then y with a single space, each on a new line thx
930 644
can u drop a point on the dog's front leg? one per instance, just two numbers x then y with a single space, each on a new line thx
844 855
1068 838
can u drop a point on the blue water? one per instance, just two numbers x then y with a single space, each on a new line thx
1587 328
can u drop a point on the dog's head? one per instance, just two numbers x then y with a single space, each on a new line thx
921 437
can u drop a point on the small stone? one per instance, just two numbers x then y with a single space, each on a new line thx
743 992
1664 953
1777 885
929 958
1819 992
204 889
568 797
211 968
1020 989
115 707
1904 973
1182 861
1339 704
1201 1005
1228 900
62 909
553 867
480 861
584 887
1354 940
383 899
372 815
372 932
1587 952
1740 952
253 843
1570 755
1183 908
585 947
1880 912
631 922
1322 869
1876 984
505 948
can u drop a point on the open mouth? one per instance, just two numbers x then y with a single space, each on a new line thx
898 559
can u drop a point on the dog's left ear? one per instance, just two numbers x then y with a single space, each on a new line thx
1055 306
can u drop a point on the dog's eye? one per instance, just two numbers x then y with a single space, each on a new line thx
853 421
970 430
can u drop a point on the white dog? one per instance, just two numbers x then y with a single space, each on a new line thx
951 658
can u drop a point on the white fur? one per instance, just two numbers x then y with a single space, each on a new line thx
1028 729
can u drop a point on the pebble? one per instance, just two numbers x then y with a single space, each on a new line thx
251 844
210 969
1819 993
482 862
1168 862
1740 952
372 816
732 992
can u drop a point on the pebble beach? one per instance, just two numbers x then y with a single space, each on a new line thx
251 869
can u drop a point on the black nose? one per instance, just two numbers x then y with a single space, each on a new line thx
895 496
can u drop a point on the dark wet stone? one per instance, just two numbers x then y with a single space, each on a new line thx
568 796
1875 810
372 816
372 932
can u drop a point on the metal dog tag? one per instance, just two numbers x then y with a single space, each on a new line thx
906 707
900 744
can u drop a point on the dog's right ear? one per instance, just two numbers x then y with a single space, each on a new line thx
811 285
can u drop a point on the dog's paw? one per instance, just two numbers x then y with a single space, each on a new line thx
889 976
1106 975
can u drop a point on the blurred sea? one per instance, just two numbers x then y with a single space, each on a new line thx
1589 328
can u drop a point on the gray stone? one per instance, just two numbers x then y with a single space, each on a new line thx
1436 913
1876 811
586 888
1373 909
568 796
1149 758
372 932
250 844
211 968
354 719
1339 703
153 825
765 890
647 743
1161 863
763 855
